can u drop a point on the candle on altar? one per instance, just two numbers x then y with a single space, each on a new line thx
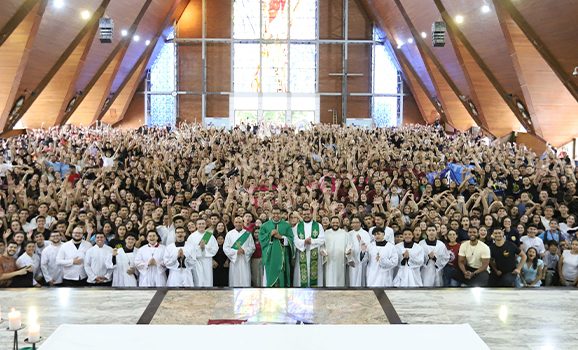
14 320
33 333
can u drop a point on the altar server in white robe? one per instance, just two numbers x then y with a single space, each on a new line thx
239 246
71 258
125 272
51 271
150 264
339 252
436 257
98 262
206 247
309 238
411 259
357 270
181 260
381 259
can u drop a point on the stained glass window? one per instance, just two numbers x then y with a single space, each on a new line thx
162 105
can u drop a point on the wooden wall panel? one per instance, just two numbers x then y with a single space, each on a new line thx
221 10
9 9
360 26
121 103
218 67
189 109
411 112
217 106
15 52
426 107
331 19
134 116
325 104
190 67
358 107
190 23
359 62
330 62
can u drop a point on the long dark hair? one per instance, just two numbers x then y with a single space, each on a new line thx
535 261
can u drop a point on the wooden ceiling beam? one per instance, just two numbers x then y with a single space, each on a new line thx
59 81
480 77
16 19
565 76
90 102
15 52
440 77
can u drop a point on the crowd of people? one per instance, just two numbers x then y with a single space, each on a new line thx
328 206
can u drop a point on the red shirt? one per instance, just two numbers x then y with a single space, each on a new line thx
257 254
454 250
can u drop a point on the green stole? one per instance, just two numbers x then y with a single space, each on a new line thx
207 236
241 240
313 266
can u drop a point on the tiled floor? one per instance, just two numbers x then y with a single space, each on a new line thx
505 319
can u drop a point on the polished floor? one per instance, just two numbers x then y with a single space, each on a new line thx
504 319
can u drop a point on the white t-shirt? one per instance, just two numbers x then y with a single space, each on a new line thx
570 266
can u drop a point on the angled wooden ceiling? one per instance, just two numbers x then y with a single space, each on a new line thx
509 52
518 51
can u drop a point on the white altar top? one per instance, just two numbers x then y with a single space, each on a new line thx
263 337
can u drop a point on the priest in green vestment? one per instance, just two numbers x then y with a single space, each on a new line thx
276 237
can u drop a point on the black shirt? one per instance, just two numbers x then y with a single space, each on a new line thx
505 256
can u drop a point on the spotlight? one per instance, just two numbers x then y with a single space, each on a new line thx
58 4
410 41
575 73
136 38
124 32
147 43
485 9
459 19
424 35
400 44
85 15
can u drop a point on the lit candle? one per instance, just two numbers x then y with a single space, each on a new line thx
33 333
14 320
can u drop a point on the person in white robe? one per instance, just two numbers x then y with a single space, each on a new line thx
436 257
411 259
239 246
168 232
71 258
339 253
30 259
308 248
381 259
206 247
380 222
149 262
125 272
98 262
356 270
51 271
180 258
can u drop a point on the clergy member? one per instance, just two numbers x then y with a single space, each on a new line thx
149 262
98 263
276 237
357 237
436 257
381 258
206 247
181 260
125 272
239 246
309 237
411 259
338 254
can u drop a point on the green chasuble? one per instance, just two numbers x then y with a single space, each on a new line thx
276 258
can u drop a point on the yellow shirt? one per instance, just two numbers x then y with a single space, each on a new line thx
474 253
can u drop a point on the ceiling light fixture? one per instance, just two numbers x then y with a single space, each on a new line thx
147 43
136 38
459 19
58 4
410 41
85 15
400 44
424 35
486 9
124 32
